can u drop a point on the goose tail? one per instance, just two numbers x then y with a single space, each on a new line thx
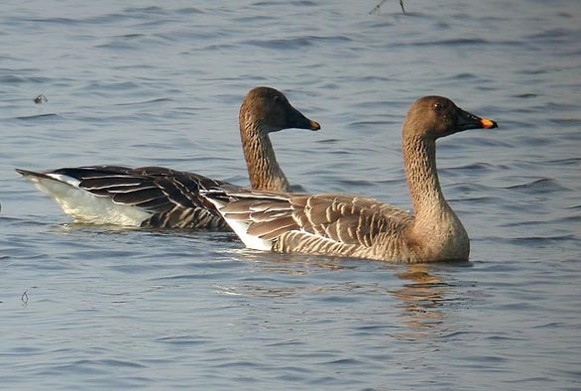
239 222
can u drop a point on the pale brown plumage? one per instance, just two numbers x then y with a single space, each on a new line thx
355 226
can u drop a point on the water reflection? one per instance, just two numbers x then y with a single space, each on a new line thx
422 296
291 264
423 292
292 275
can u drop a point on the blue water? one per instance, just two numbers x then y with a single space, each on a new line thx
146 83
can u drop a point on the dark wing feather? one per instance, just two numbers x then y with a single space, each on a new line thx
173 197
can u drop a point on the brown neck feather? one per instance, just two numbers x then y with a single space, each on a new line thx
263 169
436 227
422 176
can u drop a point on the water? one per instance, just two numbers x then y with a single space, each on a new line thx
145 83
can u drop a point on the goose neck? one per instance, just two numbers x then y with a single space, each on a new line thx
422 177
263 169
436 228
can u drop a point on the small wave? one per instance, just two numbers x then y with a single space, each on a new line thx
131 36
93 365
552 35
293 43
466 76
280 43
370 124
566 122
575 207
526 96
446 42
356 184
542 186
63 21
189 11
480 141
13 79
39 116
539 241
145 102
146 10
96 87
479 166
218 47
574 161
182 340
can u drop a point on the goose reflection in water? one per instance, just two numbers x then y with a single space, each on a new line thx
423 297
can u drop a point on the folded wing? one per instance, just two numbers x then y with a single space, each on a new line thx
326 223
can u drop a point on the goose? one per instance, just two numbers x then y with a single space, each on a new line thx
360 227
158 197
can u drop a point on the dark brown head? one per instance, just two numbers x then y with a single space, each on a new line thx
436 116
271 111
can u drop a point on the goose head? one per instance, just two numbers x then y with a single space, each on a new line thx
433 117
271 111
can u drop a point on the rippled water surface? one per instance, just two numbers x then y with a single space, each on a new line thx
160 83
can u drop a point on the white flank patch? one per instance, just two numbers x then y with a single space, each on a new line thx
86 207
250 241
240 228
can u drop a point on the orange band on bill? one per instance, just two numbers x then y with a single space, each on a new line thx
487 123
